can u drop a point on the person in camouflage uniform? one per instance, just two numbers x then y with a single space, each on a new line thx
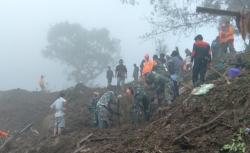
162 85
104 110
141 104
93 109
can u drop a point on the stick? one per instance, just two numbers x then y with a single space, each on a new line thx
13 137
102 139
199 127
83 140
224 77
166 117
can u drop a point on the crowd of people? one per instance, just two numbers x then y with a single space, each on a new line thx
156 80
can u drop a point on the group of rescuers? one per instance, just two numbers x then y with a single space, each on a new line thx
156 81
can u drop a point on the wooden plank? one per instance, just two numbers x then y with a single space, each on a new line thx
217 11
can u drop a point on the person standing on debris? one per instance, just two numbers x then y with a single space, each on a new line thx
226 37
178 52
104 109
93 109
187 61
42 83
140 104
175 68
215 47
162 59
58 106
147 65
162 86
201 56
120 73
109 76
136 73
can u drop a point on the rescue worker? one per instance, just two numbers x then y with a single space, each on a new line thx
141 104
109 76
162 86
215 47
201 56
187 61
120 73
162 58
104 109
93 109
147 65
136 73
175 69
58 106
226 37
141 66
42 83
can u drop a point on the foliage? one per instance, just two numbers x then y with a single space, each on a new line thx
86 52
180 16
238 145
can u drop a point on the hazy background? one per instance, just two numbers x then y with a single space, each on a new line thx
25 23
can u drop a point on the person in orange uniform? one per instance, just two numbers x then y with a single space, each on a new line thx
226 36
147 65
3 134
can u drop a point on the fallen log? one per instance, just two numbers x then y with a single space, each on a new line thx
83 140
199 127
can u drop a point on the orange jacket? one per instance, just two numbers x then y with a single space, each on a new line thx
3 134
148 66
226 36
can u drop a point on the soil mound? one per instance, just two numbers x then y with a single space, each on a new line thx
192 124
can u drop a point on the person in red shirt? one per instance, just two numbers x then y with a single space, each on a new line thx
201 56
3 134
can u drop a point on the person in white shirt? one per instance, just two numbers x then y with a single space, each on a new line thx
58 106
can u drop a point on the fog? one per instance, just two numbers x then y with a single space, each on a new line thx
24 27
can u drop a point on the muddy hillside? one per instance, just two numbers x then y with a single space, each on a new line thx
192 124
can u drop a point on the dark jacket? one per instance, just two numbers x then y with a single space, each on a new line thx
201 52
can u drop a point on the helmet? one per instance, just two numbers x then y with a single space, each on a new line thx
121 61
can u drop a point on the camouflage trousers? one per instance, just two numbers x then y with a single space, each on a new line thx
169 91
103 117
93 117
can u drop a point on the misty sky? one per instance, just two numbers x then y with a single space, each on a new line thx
24 27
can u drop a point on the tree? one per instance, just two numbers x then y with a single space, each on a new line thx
86 52
180 16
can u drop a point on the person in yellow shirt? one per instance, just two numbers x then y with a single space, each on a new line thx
226 37
42 83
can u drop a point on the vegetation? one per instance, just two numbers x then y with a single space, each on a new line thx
86 52
238 144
